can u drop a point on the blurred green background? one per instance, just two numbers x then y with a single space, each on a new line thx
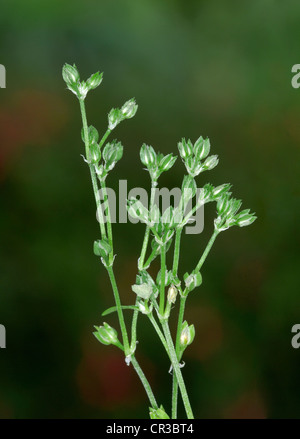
212 68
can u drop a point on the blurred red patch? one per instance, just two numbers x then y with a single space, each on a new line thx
29 117
105 381
249 405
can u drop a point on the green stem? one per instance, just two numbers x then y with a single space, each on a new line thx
176 369
159 333
92 169
176 251
98 200
147 232
136 365
108 131
180 321
119 309
141 267
175 383
108 222
192 211
162 280
150 259
145 382
206 251
133 327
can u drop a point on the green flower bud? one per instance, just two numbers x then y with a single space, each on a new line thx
206 192
245 220
234 206
172 294
114 118
166 163
94 80
187 335
223 203
112 153
94 153
188 188
70 74
185 149
93 135
220 190
201 148
211 162
192 280
106 334
148 156
129 109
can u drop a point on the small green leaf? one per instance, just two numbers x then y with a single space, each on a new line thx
114 309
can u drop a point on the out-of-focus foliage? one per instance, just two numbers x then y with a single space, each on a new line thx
210 68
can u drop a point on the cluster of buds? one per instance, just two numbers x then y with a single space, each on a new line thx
80 88
117 115
192 156
227 209
112 152
162 225
156 164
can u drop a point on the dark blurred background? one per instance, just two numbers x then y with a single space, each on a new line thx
212 68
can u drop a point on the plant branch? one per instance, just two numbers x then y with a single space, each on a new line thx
176 369
145 382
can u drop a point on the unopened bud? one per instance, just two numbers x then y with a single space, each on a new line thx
94 81
129 109
148 156
185 148
187 335
114 118
220 190
167 162
211 162
70 74
106 334
172 294
223 203
246 220
201 148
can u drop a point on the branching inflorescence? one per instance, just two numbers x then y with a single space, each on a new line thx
153 298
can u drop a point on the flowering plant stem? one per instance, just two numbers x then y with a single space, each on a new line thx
152 298
110 271
181 314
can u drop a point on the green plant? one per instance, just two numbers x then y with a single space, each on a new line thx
162 228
